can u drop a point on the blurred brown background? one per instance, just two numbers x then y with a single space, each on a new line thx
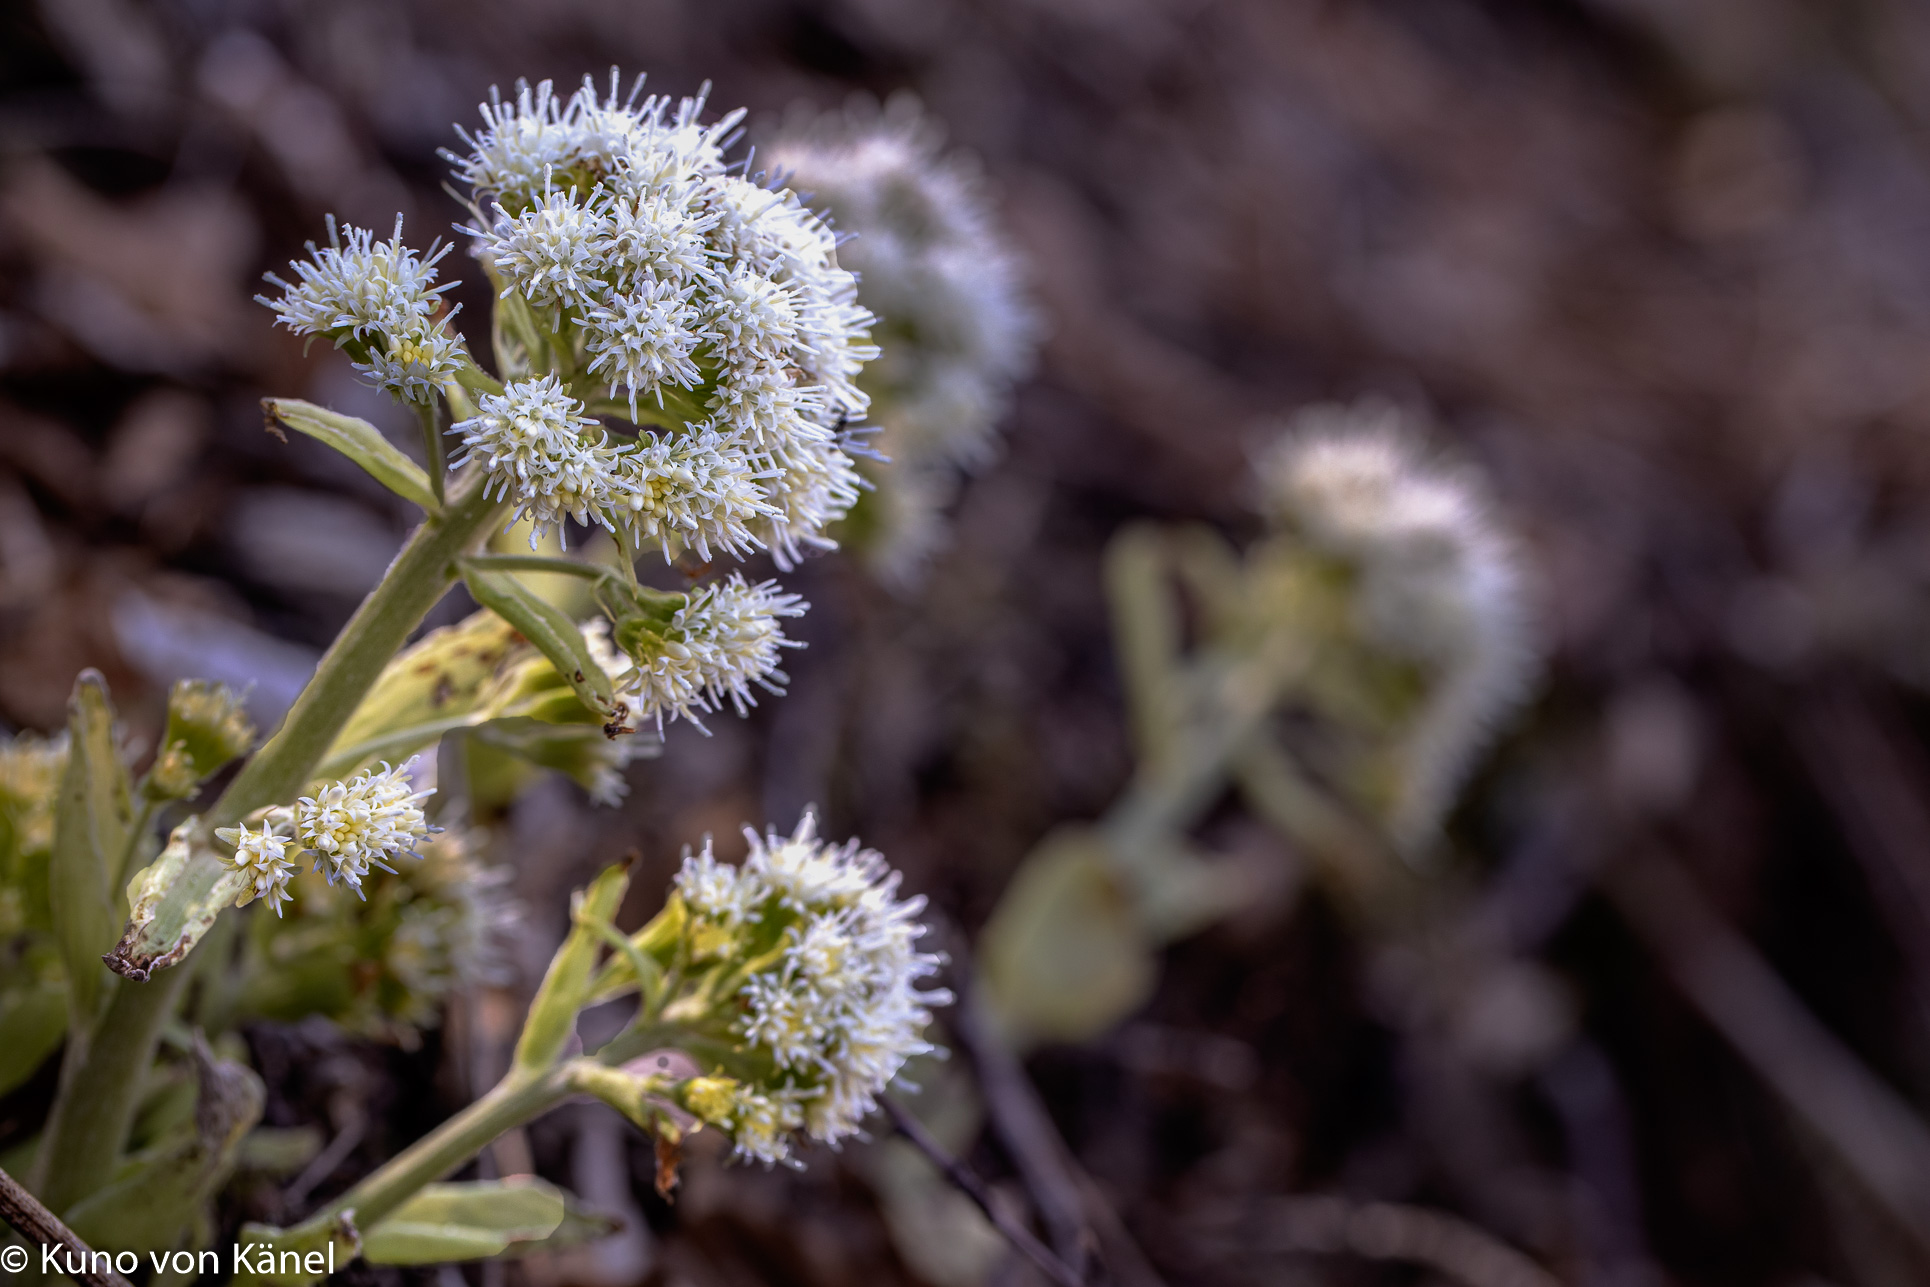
1663 266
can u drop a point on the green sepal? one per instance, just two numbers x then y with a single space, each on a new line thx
482 1220
174 901
566 985
91 820
362 443
553 634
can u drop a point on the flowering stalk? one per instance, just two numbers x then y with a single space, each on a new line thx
1385 606
785 985
96 1103
422 573
637 273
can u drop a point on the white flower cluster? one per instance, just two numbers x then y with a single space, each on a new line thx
541 452
726 638
263 856
839 1011
530 440
705 301
348 827
376 299
351 826
1440 584
956 327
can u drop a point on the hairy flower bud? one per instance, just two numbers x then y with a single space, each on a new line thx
207 727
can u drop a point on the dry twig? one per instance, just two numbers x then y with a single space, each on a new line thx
1027 1132
1869 1127
41 1227
967 1182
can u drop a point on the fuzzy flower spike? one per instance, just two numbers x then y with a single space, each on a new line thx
349 827
830 1008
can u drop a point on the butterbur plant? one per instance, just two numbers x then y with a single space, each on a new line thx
675 361
1343 672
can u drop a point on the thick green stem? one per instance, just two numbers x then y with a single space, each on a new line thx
93 1112
1166 797
438 466
517 1099
422 573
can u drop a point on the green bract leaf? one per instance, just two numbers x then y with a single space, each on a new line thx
361 442
91 821
1065 957
553 633
449 679
174 900
566 985
479 1220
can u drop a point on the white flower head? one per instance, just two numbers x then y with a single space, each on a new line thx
1440 583
350 827
552 252
839 1010
697 489
725 640
263 857
710 306
533 441
645 339
377 298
